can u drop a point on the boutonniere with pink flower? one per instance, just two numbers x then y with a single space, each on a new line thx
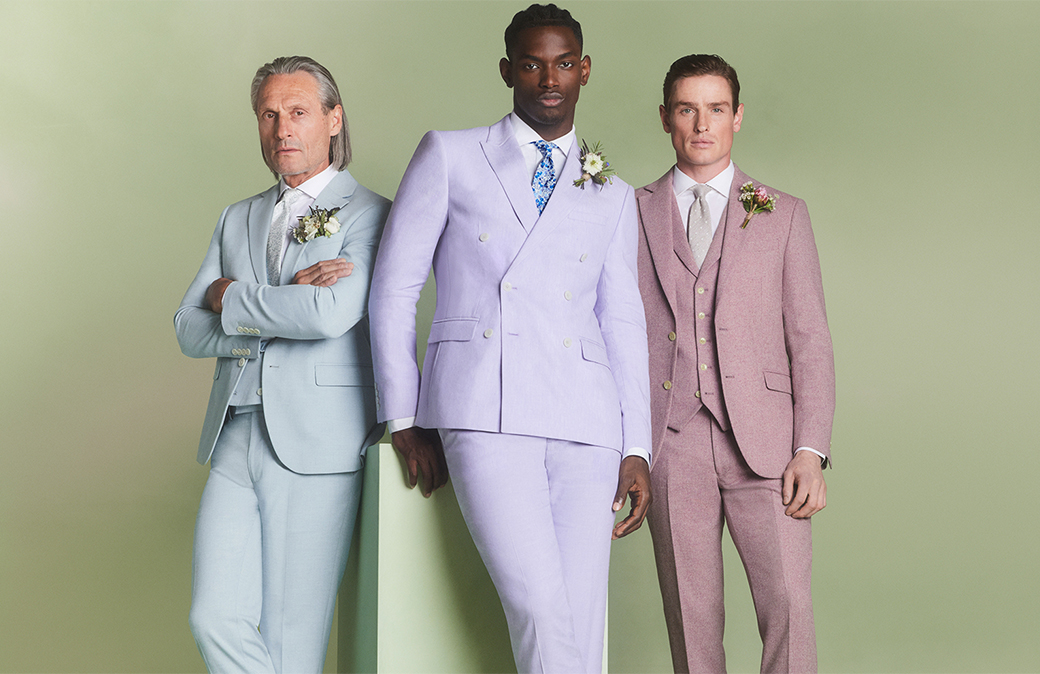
319 222
594 166
755 200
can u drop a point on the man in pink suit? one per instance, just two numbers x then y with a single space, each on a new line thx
535 376
742 382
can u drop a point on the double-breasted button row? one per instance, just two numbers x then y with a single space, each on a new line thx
240 352
567 342
484 237
248 331
488 333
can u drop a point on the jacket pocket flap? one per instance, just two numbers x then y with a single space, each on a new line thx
343 375
453 330
594 351
778 381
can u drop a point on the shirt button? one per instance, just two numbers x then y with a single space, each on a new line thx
241 362
697 394
671 336
667 385
700 291
507 286
700 315
488 332
703 366
567 342
584 256
567 295
484 237
702 340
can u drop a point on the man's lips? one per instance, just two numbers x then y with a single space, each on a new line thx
551 99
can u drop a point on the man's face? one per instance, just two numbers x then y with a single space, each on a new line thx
701 120
294 130
546 74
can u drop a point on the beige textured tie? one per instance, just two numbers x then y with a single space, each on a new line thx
698 229
276 237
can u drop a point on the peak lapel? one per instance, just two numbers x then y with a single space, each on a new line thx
503 154
259 226
336 194
565 196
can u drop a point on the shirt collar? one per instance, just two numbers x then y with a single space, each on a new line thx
720 183
525 134
312 187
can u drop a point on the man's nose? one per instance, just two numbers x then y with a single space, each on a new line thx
549 78
282 128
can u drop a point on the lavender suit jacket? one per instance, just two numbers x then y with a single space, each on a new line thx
774 348
539 328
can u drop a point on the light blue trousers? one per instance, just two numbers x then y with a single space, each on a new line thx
270 549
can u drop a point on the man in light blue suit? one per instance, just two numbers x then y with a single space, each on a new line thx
281 303
536 372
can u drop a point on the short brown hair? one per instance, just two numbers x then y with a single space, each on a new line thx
695 65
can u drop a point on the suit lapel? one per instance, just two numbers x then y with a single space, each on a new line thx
259 226
503 154
336 194
565 198
734 237
660 217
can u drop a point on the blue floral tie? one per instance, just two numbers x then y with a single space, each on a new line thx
544 176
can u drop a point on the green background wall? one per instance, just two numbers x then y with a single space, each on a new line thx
909 127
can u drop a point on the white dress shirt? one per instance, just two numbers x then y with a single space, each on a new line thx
311 188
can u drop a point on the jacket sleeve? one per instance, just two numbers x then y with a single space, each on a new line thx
199 331
309 312
413 229
622 320
807 337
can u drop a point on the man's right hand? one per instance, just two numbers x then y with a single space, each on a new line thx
423 453
325 273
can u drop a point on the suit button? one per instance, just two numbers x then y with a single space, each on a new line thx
667 385
584 256
700 315
260 391
256 331
700 291
697 394
241 362
671 336
567 342
484 237
567 295
241 329
702 340
507 286
488 332
246 352
703 366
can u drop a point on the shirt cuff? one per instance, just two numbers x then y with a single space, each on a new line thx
637 451
810 449
394 425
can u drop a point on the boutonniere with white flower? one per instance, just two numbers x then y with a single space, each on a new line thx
594 166
755 200
319 222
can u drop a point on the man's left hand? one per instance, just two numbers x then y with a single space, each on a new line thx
804 491
634 482
215 294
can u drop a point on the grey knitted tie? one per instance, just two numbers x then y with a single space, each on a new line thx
276 237
698 230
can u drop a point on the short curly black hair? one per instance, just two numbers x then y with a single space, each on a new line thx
536 16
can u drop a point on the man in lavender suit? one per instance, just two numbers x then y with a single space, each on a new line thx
536 372
742 381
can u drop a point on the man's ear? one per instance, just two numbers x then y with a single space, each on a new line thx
664 119
586 69
506 69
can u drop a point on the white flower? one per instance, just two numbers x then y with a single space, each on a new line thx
593 163
332 226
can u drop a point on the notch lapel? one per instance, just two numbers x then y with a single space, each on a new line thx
661 220
258 226
503 154
734 237
336 194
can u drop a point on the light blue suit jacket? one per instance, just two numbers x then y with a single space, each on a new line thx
539 327
316 375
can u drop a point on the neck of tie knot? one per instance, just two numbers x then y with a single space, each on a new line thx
700 191
544 175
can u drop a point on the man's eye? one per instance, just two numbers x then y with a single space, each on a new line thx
567 64
530 66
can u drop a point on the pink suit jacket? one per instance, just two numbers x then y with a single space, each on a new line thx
539 328
774 348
